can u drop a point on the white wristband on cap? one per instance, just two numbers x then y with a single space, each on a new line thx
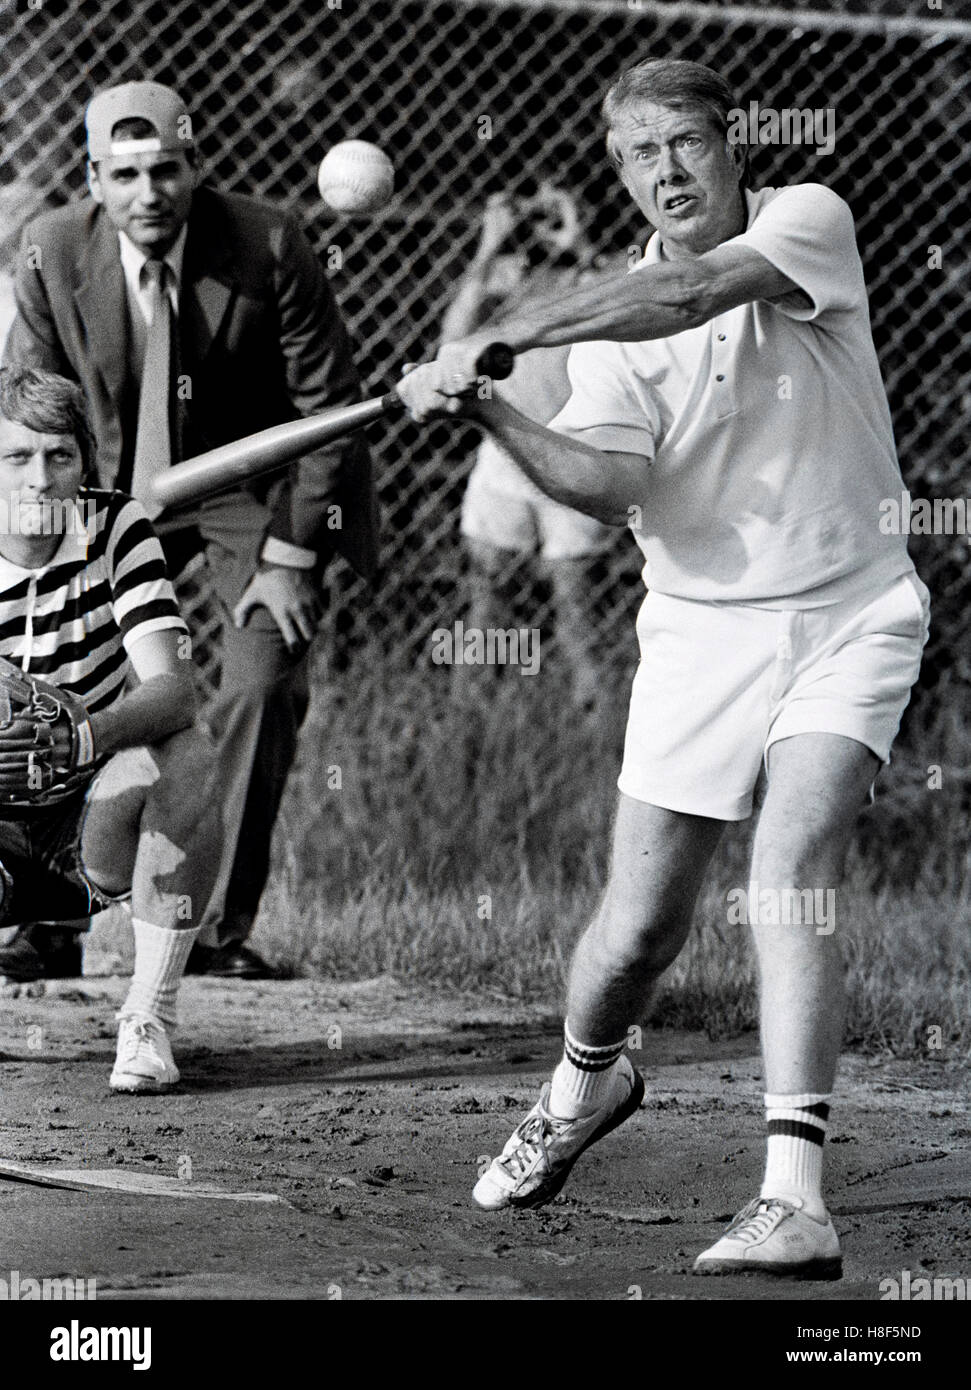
295 557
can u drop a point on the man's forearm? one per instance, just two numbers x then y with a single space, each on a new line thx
651 303
602 485
161 706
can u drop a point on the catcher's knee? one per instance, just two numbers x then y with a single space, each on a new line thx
183 795
130 774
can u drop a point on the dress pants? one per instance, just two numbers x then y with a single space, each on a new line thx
255 716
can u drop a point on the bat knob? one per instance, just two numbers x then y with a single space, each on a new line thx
496 361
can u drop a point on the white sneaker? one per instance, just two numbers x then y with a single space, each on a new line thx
536 1162
772 1235
144 1059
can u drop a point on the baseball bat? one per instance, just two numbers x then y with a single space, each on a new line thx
231 465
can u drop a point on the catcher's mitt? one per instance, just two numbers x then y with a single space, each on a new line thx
46 744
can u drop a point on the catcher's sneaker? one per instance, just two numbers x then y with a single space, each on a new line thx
536 1162
144 1061
772 1235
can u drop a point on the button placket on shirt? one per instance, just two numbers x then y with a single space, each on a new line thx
722 372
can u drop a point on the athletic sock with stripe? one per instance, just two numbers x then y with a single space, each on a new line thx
584 1079
794 1163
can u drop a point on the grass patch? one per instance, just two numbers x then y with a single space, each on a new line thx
452 827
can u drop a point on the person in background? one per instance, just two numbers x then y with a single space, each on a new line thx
192 318
528 246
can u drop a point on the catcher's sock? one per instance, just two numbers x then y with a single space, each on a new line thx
584 1078
160 957
794 1164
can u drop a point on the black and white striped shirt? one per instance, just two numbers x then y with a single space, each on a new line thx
74 620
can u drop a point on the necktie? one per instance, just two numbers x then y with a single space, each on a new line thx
153 443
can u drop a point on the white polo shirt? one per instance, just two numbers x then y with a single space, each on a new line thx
767 429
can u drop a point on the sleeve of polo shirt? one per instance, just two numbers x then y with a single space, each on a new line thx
610 406
807 232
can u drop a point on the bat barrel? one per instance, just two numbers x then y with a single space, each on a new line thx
232 465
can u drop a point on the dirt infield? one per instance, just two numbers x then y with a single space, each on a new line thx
368 1107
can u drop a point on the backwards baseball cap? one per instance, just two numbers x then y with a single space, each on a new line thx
147 101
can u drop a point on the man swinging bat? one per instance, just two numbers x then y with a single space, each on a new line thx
727 403
104 779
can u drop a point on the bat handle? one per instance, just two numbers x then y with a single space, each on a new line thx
495 361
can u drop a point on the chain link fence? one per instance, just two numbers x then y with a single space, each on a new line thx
471 99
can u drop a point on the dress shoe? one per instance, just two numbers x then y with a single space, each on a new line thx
41 952
232 961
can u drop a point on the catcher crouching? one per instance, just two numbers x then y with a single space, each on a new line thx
103 773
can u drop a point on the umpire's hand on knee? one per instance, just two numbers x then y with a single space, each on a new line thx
291 598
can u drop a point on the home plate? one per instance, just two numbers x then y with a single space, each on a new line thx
118 1180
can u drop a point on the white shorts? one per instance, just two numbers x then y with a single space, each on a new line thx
506 509
718 684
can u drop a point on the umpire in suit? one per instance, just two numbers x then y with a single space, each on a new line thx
192 318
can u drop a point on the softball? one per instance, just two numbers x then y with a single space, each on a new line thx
355 176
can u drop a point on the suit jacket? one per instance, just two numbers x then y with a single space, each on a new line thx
261 341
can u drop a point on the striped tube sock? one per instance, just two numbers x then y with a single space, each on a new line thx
584 1079
160 957
794 1164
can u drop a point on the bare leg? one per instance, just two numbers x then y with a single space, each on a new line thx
575 628
152 827
488 564
658 860
817 785
486 606
152 823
